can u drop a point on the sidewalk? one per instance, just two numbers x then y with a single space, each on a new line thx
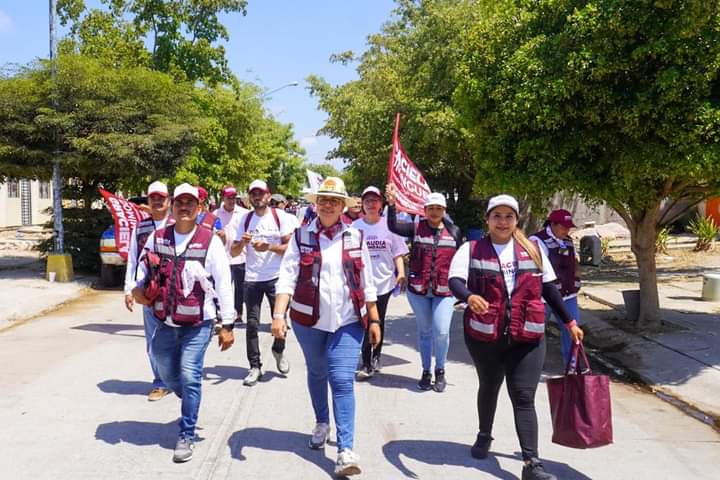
682 361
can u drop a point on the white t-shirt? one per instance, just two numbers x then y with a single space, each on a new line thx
230 222
384 246
216 264
264 266
508 263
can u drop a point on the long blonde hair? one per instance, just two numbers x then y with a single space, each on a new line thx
529 246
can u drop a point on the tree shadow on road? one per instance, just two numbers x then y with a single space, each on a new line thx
455 454
125 387
112 329
279 440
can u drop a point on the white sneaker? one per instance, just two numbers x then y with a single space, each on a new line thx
347 464
252 377
281 362
320 436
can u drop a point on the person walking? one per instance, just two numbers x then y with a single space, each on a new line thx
183 270
333 302
230 214
388 269
208 219
502 278
158 205
555 241
434 242
263 234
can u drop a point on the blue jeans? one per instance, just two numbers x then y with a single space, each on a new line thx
331 358
433 315
565 340
179 354
151 323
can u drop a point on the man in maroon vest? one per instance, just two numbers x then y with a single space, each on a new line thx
158 203
183 269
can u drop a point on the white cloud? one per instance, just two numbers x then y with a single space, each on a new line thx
6 23
307 142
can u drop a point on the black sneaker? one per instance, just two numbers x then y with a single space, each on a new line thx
440 382
481 447
535 471
425 382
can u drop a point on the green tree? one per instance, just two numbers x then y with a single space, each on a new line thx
616 100
109 126
409 67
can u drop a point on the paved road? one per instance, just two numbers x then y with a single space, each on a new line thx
73 406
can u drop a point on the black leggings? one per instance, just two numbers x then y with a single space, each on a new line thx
382 303
520 364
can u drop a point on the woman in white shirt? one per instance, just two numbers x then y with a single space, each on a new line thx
386 254
502 278
333 301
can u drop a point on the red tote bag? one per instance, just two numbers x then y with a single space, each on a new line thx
580 405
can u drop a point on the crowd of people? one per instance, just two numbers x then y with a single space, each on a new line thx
328 272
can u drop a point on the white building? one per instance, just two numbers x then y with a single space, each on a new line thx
24 202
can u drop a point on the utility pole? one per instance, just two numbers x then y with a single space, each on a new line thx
57 176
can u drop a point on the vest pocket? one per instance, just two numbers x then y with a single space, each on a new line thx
529 321
484 327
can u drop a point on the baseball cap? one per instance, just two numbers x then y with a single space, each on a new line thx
330 187
503 200
278 197
258 185
563 217
435 199
202 193
186 189
371 190
229 192
158 188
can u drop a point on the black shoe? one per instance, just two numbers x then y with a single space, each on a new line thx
440 382
425 382
535 471
482 446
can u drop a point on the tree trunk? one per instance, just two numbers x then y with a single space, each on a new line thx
643 232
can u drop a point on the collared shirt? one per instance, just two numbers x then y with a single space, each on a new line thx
132 261
336 308
216 264
231 223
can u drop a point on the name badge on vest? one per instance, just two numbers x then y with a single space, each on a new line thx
351 242
305 250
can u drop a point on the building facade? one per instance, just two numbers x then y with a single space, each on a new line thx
24 202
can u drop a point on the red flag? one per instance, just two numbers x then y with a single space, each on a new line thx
126 215
410 185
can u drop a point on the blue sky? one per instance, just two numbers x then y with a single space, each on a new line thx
278 42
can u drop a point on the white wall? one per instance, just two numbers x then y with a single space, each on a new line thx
10 213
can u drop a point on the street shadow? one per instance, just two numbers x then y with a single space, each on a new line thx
390 380
442 453
112 329
142 434
697 298
387 360
280 441
125 387
222 373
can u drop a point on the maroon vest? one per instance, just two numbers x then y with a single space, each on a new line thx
170 301
563 262
143 230
430 261
520 313
208 221
305 304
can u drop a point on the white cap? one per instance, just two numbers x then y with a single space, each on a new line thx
186 189
259 185
371 189
503 200
159 188
435 199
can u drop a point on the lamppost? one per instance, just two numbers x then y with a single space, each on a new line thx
291 84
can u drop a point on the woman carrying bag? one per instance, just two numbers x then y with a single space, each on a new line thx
326 270
502 278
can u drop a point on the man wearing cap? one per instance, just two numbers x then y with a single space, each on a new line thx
229 215
158 204
182 269
263 234
557 244
207 218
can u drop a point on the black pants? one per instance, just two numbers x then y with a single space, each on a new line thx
254 292
238 279
520 364
382 303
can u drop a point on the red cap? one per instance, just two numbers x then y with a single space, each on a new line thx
202 193
229 192
563 217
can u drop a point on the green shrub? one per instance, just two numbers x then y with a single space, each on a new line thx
706 230
661 240
83 228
